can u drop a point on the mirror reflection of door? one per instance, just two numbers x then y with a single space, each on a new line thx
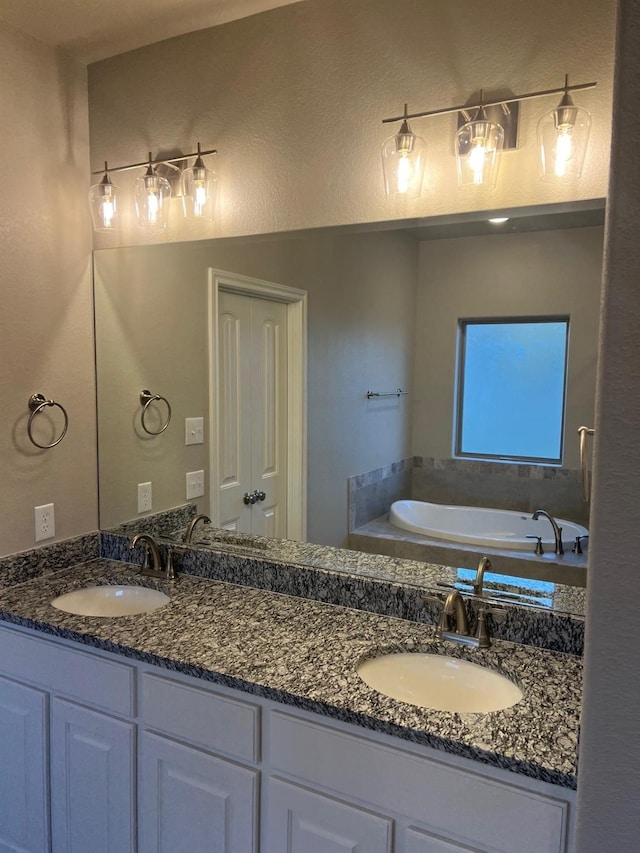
252 434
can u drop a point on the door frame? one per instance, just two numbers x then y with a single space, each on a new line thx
296 303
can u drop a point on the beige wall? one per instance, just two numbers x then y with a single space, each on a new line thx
152 331
520 275
293 99
46 339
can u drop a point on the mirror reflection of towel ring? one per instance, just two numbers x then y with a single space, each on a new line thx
37 403
146 398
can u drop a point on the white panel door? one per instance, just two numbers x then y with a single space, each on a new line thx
92 781
419 841
301 821
194 802
23 769
252 405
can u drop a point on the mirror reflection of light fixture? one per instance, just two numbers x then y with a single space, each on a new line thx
403 162
563 134
478 148
199 187
103 201
152 194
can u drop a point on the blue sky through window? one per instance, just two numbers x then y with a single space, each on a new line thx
513 387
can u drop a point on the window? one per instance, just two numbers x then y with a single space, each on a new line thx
511 388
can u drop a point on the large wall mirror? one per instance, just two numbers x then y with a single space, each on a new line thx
381 309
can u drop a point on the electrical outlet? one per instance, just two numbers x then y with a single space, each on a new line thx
195 484
194 430
45 522
144 497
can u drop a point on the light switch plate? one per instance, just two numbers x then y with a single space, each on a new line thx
194 430
195 484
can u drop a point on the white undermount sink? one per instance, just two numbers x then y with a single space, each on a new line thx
111 600
439 682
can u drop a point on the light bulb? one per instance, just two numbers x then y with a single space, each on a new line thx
200 199
477 157
107 211
563 151
153 206
152 194
198 191
103 199
404 174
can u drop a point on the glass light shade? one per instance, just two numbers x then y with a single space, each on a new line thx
152 194
563 135
199 188
103 201
478 149
403 162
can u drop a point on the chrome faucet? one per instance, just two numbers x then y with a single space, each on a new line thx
557 531
154 567
188 535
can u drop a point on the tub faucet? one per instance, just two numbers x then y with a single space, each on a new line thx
188 536
557 531
483 565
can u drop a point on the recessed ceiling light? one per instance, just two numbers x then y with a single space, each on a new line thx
498 220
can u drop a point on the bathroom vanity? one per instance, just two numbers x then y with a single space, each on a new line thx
233 720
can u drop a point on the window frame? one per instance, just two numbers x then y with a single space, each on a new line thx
461 351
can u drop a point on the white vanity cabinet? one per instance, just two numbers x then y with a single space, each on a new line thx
146 760
24 769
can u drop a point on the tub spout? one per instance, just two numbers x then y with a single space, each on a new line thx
557 531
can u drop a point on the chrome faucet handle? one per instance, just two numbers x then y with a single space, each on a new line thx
539 549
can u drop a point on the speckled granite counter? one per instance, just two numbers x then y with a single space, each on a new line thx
304 653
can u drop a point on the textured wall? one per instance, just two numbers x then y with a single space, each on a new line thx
293 99
609 784
46 341
519 275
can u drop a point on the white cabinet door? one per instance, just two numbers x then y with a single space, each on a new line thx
193 802
23 769
302 821
92 781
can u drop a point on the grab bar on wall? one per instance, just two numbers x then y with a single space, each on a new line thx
398 393
583 432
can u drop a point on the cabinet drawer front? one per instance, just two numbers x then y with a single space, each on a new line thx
207 719
79 675
496 815
301 821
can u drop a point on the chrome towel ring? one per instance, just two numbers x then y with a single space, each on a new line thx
146 398
37 403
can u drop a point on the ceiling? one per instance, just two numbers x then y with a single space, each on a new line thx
95 29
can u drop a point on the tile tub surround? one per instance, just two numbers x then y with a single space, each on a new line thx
374 583
305 654
371 494
503 485
381 537
16 568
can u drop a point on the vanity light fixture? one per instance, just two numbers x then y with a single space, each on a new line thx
152 192
199 188
478 148
403 161
103 200
563 134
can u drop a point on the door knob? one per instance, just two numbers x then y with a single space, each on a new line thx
249 499
259 495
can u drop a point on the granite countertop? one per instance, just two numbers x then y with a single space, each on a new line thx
304 653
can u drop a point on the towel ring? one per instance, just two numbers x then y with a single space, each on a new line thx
36 404
146 398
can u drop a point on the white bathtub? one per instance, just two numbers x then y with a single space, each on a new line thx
472 525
